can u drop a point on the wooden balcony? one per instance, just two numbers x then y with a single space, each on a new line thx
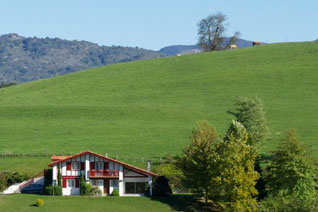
105 173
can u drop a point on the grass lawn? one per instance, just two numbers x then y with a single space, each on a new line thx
25 203
148 108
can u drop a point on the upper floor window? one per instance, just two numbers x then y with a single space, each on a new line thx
99 165
76 166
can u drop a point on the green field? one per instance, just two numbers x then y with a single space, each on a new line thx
148 108
25 203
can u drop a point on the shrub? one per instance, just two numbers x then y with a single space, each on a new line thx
85 188
53 190
161 187
9 178
286 204
94 191
39 202
114 193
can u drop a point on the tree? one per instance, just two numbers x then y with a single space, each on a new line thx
173 174
211 32
250 112
235 179
59 176
233 39
197 160
292 173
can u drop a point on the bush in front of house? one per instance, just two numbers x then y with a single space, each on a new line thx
85 188
95 192
53 190
115 193
39 202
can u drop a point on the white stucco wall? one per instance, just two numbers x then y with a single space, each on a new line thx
70 191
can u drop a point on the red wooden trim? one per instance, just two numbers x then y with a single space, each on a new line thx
92 165
107 158
68 166
82 165
64 183
70 177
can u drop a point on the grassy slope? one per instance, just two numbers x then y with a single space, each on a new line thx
148 108
25 203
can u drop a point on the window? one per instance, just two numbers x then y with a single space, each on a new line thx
76 166
140 188
134 188
129 188
71 183
99 166
114 183
96 182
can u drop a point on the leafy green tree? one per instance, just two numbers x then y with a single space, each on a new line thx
234 183
198 158
250 112
173 174
292 171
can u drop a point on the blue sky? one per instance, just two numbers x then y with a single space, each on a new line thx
155 24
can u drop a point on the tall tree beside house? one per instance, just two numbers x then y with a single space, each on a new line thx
59 177
211 32
234 183
250 112
198 158
292 173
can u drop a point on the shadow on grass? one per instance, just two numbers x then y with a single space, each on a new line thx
34 205
183 202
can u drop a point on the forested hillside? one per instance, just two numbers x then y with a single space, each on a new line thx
25 59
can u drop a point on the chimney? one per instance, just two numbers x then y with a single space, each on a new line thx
148 165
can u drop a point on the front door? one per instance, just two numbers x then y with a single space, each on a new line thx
106 186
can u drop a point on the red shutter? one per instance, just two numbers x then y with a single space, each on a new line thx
64 183
68 166
76 183
82 165
92 165
106 166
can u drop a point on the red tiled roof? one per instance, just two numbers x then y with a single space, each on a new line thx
56 158
65 158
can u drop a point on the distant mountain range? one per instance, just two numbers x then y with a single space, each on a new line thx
25 59
188 49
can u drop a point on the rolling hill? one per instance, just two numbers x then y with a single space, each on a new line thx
25 59
148 108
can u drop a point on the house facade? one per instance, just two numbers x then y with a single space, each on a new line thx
103 172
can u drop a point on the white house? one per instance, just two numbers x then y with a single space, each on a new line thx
103 172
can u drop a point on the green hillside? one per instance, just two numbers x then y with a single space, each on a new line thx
148 108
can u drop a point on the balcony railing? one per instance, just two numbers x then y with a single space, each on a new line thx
104 173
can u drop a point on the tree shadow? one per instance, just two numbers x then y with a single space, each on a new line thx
184 202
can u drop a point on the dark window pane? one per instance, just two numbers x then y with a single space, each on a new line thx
140 188
130 188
